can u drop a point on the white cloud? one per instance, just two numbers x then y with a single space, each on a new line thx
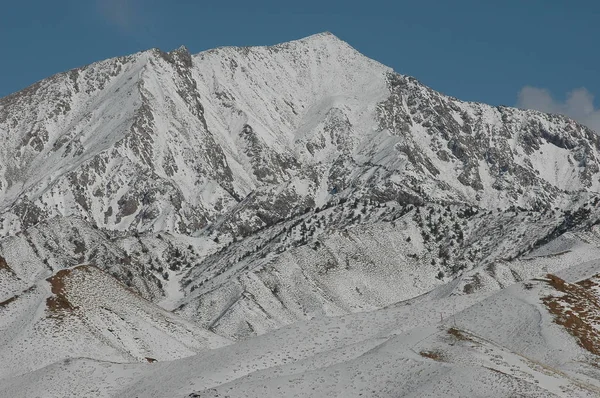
578 105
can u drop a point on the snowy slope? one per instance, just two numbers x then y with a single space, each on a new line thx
356 257
86 312
297 192
498 344
170 141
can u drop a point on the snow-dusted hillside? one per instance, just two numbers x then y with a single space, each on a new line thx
84 312
503 343
163 204
241 137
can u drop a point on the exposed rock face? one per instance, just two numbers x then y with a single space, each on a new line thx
241 172
170 141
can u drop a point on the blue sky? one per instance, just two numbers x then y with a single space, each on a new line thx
532 53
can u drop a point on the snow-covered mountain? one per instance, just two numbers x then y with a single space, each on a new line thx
244 190
84 312
519 341
174 142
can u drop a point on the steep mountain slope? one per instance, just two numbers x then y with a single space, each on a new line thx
48 247
84 312
356 257
170 141
500 344
234 142
246 189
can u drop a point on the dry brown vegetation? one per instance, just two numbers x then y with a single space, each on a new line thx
4 264
577 310
58 303
7 302
435 355
458 334
13 298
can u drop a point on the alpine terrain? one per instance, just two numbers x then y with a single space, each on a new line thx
295 220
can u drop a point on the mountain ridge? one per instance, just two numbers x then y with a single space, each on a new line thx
249 190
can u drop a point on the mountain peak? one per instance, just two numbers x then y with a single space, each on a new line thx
323 38
181 49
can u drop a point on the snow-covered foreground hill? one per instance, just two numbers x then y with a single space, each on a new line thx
509 342
85 312
291 220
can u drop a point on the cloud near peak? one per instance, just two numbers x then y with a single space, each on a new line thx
578 105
